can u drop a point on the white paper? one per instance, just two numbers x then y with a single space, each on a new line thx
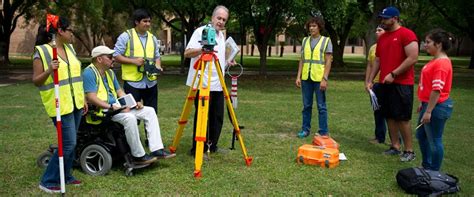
127 101
373 100
342 157
231 49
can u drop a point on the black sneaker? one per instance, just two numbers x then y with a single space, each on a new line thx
163 154
146 159
407 156
392 151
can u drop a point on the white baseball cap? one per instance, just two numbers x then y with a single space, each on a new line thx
101 50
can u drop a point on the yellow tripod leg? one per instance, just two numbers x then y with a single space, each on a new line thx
184 115
201 125
235 123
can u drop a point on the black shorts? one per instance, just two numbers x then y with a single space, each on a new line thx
396 101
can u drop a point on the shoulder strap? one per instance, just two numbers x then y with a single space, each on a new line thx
304 41
130 41
69 46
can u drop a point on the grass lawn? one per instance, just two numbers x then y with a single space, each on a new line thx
270 110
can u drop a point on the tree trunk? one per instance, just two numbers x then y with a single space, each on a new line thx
4 51
471 63
294 45
252 49
458 46
181 54
338 52
262 49
269 51
282 48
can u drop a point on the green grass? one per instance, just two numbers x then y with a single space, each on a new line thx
270 110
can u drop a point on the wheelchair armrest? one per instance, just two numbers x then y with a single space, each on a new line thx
111 113
106 115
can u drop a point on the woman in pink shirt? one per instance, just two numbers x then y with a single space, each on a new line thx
433 93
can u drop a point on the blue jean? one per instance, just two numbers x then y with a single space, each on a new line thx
430 135
70 124
380 126
309 87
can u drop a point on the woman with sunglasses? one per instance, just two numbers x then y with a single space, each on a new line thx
71 96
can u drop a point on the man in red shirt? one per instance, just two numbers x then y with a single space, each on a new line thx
396 55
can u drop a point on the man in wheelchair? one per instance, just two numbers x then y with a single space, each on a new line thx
102 90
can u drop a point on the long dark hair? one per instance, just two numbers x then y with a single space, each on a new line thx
44 37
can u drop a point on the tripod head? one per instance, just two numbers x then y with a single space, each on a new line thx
208 38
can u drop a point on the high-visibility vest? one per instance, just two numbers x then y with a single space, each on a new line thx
314 60
135 49
102 93
71 91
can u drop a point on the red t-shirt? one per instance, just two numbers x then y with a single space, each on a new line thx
391 53
436 75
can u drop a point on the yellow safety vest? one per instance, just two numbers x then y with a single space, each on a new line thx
70 81
135 49
102 93
313 61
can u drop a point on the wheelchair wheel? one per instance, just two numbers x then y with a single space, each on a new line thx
95 160
43 159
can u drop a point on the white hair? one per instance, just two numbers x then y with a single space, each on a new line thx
219 7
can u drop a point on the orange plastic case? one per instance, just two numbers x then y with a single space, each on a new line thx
317 155
325 141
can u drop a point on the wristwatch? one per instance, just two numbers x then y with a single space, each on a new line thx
393 75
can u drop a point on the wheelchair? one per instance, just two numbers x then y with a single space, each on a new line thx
98 147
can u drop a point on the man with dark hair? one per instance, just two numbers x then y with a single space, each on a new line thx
313 72
132 49
396 55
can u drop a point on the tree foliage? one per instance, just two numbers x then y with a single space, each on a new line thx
339 17
11 12
266 18
459 14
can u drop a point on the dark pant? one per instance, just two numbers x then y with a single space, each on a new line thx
148 95
70 124
397 101
215 120
380 126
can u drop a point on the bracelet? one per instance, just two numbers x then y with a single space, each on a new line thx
325 78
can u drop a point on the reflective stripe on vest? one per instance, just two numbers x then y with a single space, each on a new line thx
135 49
314 60
70 82
102 93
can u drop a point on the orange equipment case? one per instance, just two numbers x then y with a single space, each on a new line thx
318 155
325 141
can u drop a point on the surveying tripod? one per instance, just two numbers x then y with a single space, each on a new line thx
205 61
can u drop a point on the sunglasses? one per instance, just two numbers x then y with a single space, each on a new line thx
68 29
108 56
